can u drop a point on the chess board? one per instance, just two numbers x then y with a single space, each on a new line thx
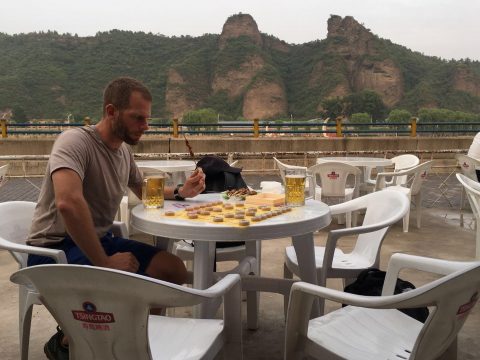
230 214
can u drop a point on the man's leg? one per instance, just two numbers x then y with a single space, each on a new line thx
168 267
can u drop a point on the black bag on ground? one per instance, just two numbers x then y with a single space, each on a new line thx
219 176
370 283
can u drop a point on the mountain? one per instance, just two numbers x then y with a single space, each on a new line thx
241 73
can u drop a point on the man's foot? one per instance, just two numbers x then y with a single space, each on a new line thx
54 349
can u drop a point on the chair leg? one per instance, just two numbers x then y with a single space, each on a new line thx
406 220
418 202
287 274
26 302
462 205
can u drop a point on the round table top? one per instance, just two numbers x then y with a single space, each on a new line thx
167 165
301 220
357 160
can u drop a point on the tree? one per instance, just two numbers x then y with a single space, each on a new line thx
360 118
399 116
332 107
366 101
18 114
202 116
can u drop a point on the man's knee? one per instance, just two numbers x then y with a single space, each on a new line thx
168 267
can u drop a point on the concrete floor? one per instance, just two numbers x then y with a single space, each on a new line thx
440 236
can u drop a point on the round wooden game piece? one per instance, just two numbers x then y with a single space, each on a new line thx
190 208
264 217
209 208
219 202
252 209
204 212
192 215
229 215
244 223
250 213
240 204
217 209
169 213
227 206
239 216
256 218
266 208
218 219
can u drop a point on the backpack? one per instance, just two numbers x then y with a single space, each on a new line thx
219 176
370 283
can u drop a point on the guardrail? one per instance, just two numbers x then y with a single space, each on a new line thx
257 128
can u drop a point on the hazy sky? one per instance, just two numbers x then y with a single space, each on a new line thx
444 28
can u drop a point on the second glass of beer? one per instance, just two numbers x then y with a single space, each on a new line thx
152 191
295 186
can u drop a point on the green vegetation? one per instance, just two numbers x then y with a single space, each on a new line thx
49 75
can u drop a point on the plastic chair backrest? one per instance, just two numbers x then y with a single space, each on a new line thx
472 188
403 162
420 175
385 207
3 174
453 297
282 167
333 177
15 220
468 165
103 312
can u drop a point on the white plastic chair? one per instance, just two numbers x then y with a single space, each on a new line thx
372 327
15 220
383 209
282 167
468 165
105 314
472 189
329 181
400 162
412 187
3 174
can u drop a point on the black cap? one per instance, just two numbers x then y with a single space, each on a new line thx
212 165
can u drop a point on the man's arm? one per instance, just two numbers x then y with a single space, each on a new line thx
193 186
78 221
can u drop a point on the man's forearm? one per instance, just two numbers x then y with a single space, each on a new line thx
79 224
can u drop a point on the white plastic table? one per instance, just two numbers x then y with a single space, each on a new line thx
299 224
359 161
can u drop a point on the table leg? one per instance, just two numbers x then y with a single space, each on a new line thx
304 248
252 248
163 243
203 256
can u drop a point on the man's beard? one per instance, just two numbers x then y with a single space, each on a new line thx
121 131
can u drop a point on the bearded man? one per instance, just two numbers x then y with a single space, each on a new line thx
88 172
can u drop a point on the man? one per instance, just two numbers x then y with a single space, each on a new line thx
87 174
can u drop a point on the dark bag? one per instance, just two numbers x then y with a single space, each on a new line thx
370 283
219 176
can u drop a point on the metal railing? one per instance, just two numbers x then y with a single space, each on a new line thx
257 128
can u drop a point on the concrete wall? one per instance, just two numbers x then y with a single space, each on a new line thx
382 145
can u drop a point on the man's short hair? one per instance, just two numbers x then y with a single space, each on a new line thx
118 92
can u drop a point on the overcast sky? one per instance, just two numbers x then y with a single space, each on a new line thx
444 28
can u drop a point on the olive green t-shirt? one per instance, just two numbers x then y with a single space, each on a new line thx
105 175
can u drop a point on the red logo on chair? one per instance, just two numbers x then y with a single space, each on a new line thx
90 314
465 165
333 175
465 308
424 175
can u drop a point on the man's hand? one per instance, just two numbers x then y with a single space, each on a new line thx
125 261
194 185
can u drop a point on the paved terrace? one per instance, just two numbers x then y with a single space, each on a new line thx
440 236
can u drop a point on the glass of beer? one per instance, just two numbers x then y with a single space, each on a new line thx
295 186
152 191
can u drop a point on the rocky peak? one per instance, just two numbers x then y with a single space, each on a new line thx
357 38
240 25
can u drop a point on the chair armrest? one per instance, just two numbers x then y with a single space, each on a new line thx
119 229
405 261
222 287
57 255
